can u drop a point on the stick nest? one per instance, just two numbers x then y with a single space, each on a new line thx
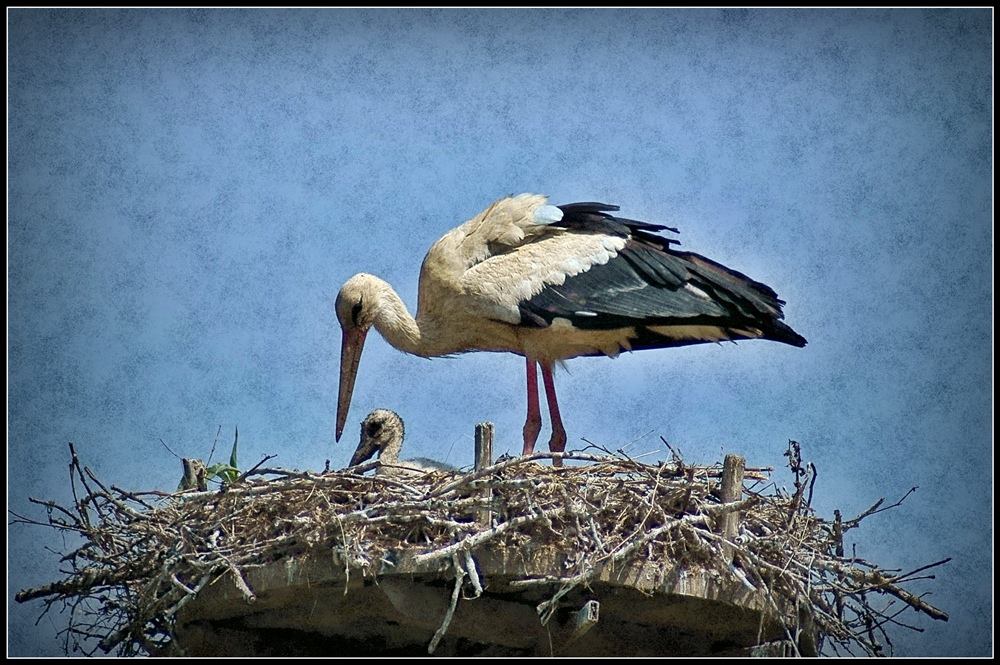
147 554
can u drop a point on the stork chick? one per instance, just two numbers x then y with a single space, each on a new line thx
382 434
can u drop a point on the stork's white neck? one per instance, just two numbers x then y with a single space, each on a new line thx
395 323
390 452
426 335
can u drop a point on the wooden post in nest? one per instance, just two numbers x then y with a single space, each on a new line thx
484 458
732 490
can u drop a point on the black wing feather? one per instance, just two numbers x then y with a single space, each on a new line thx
591 216
661 268
645 285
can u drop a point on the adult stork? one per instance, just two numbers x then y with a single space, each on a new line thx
550 283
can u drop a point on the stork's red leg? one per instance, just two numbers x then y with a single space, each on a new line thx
557 443
533 423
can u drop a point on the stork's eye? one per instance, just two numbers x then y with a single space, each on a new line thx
356 310
374 429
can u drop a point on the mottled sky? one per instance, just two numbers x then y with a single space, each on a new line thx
189 189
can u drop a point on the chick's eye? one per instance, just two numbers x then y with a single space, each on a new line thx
356 311
374 429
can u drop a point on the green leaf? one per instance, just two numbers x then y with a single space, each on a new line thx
232 457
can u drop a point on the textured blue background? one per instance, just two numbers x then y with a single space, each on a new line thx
189 189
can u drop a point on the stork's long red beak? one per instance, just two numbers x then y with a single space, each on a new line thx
352 345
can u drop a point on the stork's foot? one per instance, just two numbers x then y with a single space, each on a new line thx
531 430
557 444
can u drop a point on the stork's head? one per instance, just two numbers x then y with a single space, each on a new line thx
382 433
356 313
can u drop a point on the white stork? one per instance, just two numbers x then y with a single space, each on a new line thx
550 283
382 433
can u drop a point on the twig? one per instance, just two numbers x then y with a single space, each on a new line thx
243 476
459 577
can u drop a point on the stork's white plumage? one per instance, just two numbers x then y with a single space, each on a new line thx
551 283
382 434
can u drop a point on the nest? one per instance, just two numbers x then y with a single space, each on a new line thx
145 555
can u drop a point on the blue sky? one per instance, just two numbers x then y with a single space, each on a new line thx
188 190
